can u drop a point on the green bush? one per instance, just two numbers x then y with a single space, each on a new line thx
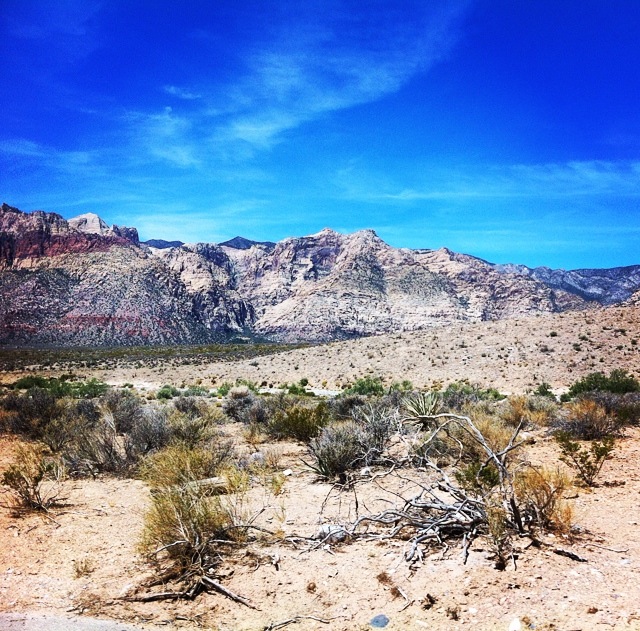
619 382
586 462
299 422
367 386
544 390
168 392
459 394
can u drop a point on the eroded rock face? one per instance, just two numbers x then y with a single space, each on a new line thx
83 282
333 286
61 285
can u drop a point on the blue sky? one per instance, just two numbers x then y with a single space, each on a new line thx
507 129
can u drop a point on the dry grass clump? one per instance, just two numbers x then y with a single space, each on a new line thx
178 464
34 479
536 411
588 420
540 494
300 422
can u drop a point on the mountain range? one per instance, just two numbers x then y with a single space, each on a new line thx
83 283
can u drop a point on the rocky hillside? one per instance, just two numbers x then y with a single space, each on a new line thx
81 282
606 286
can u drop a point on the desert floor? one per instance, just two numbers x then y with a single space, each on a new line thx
293 580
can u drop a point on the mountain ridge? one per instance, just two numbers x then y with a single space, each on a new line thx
81 282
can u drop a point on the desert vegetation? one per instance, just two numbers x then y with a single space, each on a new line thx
453 463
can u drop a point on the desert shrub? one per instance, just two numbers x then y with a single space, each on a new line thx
543 411
459 394
196 391
33 411
377 423
190 431
401 386
544 390
178 465
188 405
477 477
8 420
75 418
586 462
180 529
299 422
224 388
367 386
539 492
587 420
125 408
150 432
34 479
528 410
624 407
89 390
299 389
447 443
337 449
167 392
63 387
341 407
619 382
244 406
99 450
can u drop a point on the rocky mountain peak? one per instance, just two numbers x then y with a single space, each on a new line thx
90 223
62 283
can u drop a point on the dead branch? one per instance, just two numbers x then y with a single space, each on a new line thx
228 593
284 623
570 555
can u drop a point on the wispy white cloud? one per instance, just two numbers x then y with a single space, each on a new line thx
306 72
164 136
558 180
47 156
181 93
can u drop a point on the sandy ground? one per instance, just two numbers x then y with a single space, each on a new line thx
337 588
102 521
513 356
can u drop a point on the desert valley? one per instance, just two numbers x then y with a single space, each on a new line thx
357 436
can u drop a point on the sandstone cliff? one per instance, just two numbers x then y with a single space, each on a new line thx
82 282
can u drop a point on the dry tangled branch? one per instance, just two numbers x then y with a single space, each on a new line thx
460 509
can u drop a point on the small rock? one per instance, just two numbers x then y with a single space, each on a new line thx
287 472
592 610
379 621
331 533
